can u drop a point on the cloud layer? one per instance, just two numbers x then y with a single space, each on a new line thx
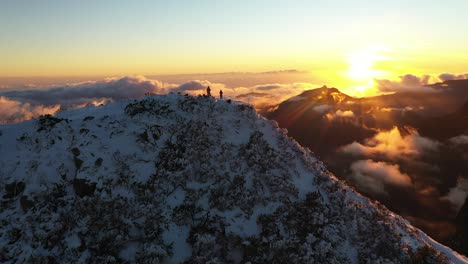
408 82
393 144
340 114
15 111
458 194
19 105
87 92
322 108
460 140
373 176
451 76
419 170
24 104
27 103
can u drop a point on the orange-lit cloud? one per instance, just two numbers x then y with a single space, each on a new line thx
415 83
88 92
258 95
340 114
197 87
101 92
405 83
410 160
15 111
22 105
393 144
451 76
247 96
322 108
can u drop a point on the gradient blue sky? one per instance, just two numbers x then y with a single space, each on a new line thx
56 38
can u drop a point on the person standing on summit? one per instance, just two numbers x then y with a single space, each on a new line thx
208 91
220 94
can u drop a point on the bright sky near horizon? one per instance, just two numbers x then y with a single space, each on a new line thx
360 39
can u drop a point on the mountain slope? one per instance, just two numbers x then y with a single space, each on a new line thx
460 240
323 119
178 178
446 126
330 128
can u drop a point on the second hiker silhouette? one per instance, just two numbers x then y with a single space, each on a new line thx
208 91
220 94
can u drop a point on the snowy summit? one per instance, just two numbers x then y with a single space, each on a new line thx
185 179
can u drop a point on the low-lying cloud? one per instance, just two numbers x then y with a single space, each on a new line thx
408 82
391 161
413 83
322 108
24 104
346 113
261 96
460 140
340 114
12 111
196 87
253 95
374 176
450 76
268 87
36 99
20 105
393 144
87 92
457 195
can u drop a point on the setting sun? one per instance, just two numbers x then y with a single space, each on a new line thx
361 70
361 65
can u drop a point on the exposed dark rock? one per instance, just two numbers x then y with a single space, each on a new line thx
83 187
98 162
48 122
26 203
13 189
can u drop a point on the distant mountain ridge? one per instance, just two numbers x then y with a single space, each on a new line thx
322 111
305 117
327 121
178 178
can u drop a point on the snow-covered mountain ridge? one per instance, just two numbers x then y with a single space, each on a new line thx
179 178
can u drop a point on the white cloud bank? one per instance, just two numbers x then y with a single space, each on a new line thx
372 176
88 92
20 105
457 195
460 140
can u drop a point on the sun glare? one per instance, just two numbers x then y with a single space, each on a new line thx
361 65
361 70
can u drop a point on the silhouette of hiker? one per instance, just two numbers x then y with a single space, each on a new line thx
208 91
220 94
